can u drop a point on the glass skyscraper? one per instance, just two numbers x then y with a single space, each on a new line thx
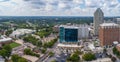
68 34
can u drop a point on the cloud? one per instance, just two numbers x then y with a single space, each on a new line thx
58 7
4 0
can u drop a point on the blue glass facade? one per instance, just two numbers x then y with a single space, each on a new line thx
71 35
61 34
68 35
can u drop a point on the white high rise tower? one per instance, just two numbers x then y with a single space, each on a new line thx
98 19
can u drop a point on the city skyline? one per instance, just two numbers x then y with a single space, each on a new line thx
58 7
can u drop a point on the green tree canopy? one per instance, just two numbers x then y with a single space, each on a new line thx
22 60
28 51
3 53
31 39
16 58
74 58
88 56
6 51
115 51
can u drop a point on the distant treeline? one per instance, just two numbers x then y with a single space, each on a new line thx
48 20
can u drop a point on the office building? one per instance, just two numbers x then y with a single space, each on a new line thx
68 34
118 21
108 33
98 19
73 33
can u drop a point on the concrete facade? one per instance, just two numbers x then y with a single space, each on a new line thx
98 19
83 32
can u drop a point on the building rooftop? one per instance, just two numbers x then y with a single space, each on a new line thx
75 26
68 45
65 26
98 11
108 24
4 39
21 32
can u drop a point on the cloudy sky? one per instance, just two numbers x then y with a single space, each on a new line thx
58 7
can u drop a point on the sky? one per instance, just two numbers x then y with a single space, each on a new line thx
58 7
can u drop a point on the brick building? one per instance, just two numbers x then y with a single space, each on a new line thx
108 33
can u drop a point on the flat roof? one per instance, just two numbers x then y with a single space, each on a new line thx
4 39
21 32
68 45
65 26
109 24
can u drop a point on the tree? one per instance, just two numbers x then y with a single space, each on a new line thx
28 51
43 50
9 49
74 58
115 51
31 39
16 58
113 59
6 51
53 61
8 32
104 50
39 44
3 53
78 52
50 44
22 60
51 54
88 56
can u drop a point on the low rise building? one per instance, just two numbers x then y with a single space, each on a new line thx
4 40
20 32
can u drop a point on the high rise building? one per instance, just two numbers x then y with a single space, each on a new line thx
98 19
109 33
73 33
118 21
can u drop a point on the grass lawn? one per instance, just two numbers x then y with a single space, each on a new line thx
13 45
